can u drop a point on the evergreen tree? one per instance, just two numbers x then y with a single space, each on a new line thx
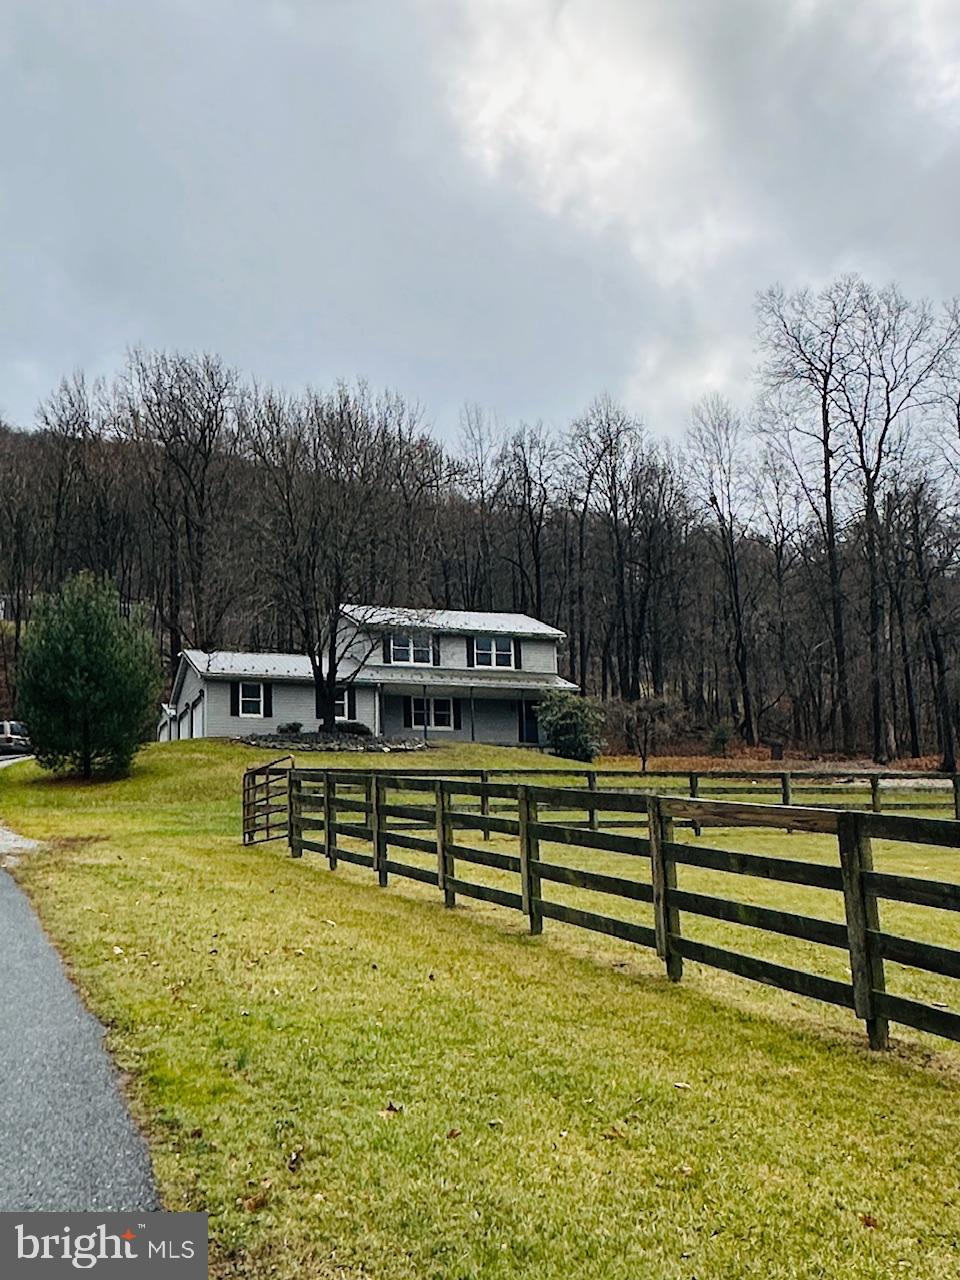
88 680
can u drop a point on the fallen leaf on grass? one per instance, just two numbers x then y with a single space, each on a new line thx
613 1133
296 1155
681 1084
453 1133
253 1203
869 1221
390 1110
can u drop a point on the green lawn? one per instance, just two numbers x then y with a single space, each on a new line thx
357 1083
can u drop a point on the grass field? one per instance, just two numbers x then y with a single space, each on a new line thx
357 1083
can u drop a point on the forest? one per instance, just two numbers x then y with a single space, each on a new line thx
780 570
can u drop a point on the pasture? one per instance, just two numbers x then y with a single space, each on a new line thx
356 1082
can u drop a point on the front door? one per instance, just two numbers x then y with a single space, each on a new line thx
528 727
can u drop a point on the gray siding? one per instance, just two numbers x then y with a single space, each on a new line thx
180 725
537 655
496 720
290 702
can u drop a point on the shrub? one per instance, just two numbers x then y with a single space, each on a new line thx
720 737
570 724
355 728
88 680
638 726
293 726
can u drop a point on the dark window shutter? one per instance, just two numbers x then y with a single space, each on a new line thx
436 651
517 654
351 703
386 647
408 713
317 701
267 698
457 716
471 653
234 697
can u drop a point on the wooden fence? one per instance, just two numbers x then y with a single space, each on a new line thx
883 791
390 819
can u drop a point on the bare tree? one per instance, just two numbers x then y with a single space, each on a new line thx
718 452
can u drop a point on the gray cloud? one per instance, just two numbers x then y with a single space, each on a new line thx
475 201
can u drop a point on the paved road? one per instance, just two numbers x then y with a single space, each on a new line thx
67 1141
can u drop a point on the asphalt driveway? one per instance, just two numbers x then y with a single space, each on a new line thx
67 1141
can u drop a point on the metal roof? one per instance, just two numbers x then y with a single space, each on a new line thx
295 667
463 621
222 664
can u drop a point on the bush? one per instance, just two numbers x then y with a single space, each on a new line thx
720 737
293 726
639 726
355 728
570 724
88 680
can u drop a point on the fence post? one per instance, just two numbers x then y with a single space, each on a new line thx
529 857
444 858
484 801
329 818
245 819
377 835
786 789
694 793
875 792
664 876
294 830
866 964
592 786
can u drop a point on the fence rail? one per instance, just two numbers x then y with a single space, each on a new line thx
422 827
889 790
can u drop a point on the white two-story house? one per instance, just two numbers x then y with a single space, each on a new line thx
442 674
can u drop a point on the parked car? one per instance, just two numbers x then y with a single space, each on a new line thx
14 739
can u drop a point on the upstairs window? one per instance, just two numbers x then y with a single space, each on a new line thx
493 651
251 699
414 650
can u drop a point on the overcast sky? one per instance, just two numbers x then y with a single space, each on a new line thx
516 203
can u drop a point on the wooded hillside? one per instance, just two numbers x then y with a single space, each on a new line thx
788 568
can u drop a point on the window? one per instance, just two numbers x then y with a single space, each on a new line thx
415 650
251 699
493 651
431 713
340 705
